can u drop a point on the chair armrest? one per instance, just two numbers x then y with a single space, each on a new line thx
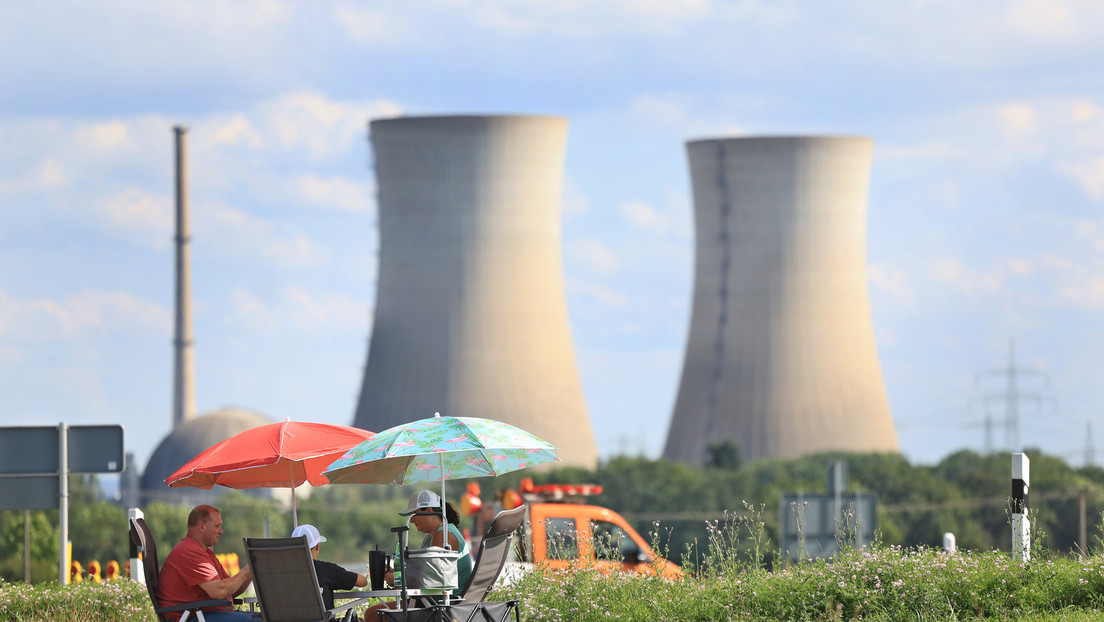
198 604
356 603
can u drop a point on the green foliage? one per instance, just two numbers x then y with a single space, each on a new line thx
881 584
94 532
118 601
878 583
730 579
44 546
355 519
965 493
724 455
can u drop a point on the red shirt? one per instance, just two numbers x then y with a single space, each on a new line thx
188 565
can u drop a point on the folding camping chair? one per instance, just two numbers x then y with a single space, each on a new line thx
143 541
494 548
286 585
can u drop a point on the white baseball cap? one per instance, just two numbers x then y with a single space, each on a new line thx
311 532
421 500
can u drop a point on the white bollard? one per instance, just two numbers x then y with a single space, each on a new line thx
1021 526
949 542
137 572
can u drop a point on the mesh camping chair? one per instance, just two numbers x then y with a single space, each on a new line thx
494 548
286 585
142 539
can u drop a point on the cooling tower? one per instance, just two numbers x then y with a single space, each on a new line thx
470 317
780 358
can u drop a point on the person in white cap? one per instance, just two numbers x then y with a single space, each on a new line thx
330 575
424 510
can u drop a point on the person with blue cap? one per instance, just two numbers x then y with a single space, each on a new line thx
330 576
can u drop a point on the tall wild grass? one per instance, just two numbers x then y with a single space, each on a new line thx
727 579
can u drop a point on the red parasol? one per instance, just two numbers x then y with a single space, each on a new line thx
277 455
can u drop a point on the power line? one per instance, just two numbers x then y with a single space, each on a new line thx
1011 396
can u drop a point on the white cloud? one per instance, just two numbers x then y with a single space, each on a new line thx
89 312
314 312
103 137
667 108
644 217
1019 266
1089 176
574 201
923 151
690 115
371 27
323 127
595 255
1019 119
1045 19
250 312
295 308
1083 111
605 296
339 193
890 281
46 175
143 219
951 271
235 231
1086 293
238 130
577 19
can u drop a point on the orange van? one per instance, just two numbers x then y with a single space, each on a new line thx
561 532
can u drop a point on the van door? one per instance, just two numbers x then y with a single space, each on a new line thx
614 548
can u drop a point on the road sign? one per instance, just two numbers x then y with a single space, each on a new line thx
96 449
28 450
31 492
815 524
35 464
92 449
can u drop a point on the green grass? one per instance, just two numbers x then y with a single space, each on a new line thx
117 601
877 583
888 584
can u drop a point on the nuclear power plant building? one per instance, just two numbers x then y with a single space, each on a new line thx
780 358
470 316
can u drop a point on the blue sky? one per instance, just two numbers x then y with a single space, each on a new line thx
985 217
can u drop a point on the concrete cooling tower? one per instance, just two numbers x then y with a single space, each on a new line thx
780 359
470 317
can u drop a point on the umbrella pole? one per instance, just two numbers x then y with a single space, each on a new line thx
294 510
444 518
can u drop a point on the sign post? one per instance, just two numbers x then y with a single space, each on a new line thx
63 500
137 572
35 464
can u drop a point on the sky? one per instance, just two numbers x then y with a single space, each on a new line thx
984 228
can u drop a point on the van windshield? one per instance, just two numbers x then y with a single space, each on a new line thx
562 538
612 542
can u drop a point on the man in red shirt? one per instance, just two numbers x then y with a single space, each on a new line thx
191 572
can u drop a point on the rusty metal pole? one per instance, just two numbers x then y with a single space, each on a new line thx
1082 531
27 546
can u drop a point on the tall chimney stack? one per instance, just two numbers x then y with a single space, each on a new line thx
183 363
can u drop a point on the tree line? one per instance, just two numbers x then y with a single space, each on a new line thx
966 493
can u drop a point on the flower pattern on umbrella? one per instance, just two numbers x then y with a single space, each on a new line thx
430 450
